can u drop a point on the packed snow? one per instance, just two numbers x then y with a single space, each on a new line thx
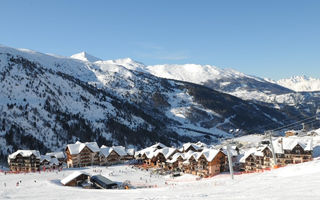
293 182
301 83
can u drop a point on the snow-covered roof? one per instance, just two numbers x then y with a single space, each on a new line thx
260 149
288 143
52 161
72 176
166 152
25 153
78 146
195 155
247 153
120 150
209 154
93 146
149 151
188 154
105 151
175 157
232 150
59 154
188 145
45 157
130 152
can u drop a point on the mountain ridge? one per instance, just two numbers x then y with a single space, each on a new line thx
49 101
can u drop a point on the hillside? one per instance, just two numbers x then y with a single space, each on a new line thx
258 90
49 101
301 83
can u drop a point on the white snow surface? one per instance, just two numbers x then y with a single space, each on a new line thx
300 83
293 182
84 56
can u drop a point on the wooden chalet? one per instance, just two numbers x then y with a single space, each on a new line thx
211 162
263 157
174 163
82 154
293 150
108 156
249 162
77 178
190 164
24 160
48 162
58 155
191 147
160 156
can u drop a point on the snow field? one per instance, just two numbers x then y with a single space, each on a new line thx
294 182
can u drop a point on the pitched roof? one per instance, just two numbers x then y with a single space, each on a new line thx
166 152
233 150
72 176
249 152
78 146
25 153
105 151
130 152
59 154
52 161
209 154
188 154
289 143
149 151
195 146
195 155
175 157
120 150
45 157
93 146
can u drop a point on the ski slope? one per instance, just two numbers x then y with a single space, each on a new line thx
293 182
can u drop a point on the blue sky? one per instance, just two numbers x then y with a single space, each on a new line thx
273 39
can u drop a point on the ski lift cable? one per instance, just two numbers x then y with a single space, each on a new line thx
283 121
298 122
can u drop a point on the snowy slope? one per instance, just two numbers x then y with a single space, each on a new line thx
194 73
293 182
224 80
262 91
48 101
84 56
301 83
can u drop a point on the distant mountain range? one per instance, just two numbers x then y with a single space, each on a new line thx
301 83
48 101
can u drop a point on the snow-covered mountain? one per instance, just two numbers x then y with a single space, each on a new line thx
301 83
48 101
224 80
246 87
84 56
